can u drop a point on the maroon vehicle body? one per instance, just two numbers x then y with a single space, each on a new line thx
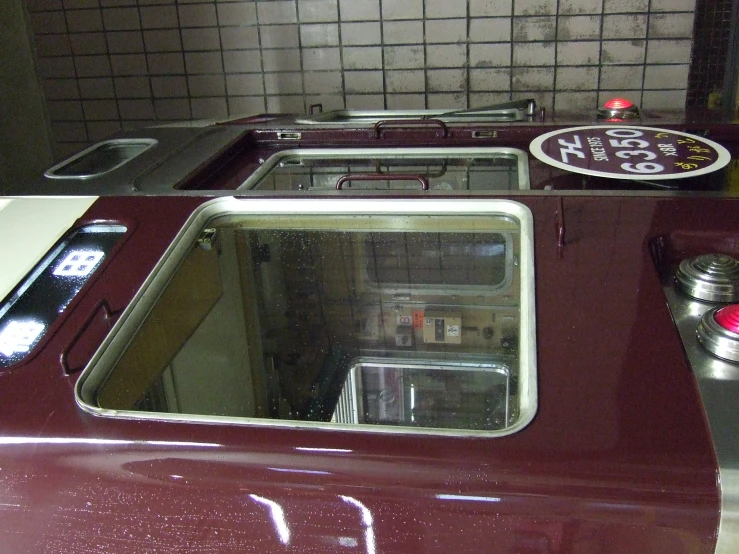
619 457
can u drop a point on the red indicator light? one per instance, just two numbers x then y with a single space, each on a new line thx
618 104
728 318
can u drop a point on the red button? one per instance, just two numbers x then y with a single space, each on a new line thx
617 104
728 318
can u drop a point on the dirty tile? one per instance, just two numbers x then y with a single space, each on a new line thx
535 7
668 51
353 34
244 84
237 38
666 76
166 63
579 102
318 11
490 29
625 6
534 28
283 83
578 53
490 55
99 66
406 101
99 130
203 62
446 80
53 22
83 21
61 89
673 25
172 110
125 42
277 12
206 85
100 110
142 109
532 78
363 81
577 78
482 99
404 57
197 15
208 108
247 61
366 10
446 55
579 27
279 36
405 81
201 39
624 77
402 32
245 105
77 43
132 87
625 26
67 110
321 58
362 57
159 17
525 54
618 52
439 31
402 9
672 5
664 100
121 19
169 87
240 13
443 9
491 79
487 8
567 7
96 87
323 82
163 41
447 101
365 101
286 104
319 34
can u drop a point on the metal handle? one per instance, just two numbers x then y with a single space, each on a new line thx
409 123
384 177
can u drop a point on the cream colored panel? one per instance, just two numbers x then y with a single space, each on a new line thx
29 227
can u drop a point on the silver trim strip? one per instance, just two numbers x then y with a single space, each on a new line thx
522 165
718 383
51 172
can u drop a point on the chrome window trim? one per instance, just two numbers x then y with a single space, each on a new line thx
51 173
522 160
146 297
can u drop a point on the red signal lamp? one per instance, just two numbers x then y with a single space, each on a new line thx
728 318
617 104
618 109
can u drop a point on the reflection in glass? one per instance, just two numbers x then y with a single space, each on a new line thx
387 322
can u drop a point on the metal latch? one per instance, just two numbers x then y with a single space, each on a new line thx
207 238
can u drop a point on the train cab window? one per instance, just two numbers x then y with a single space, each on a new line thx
411 317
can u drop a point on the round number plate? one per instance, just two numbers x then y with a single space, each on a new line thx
630 152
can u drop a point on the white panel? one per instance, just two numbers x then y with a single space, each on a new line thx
29 227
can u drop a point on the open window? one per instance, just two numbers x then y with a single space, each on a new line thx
290 313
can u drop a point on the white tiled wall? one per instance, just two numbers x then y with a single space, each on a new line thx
107 64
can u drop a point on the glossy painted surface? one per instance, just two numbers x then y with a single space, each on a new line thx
617 459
